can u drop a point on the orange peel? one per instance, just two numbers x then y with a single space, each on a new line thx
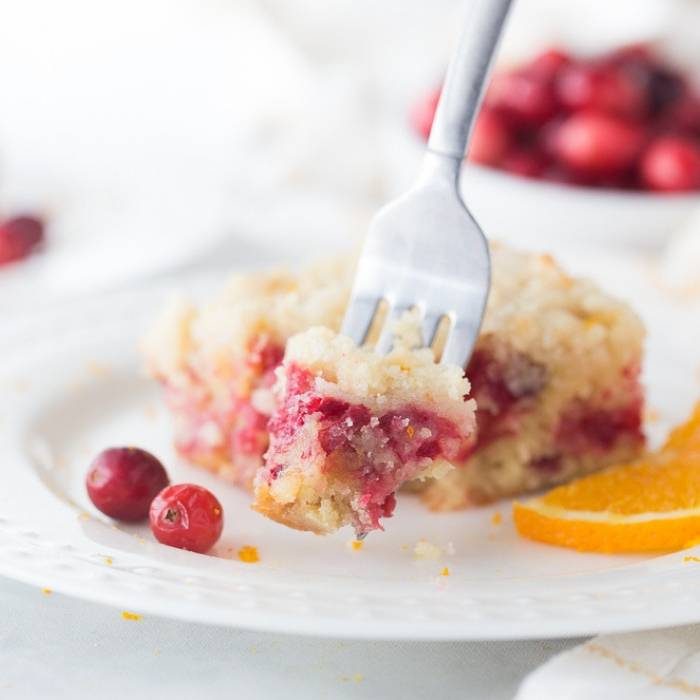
651 504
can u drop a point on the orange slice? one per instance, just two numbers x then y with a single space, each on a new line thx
687 435
652 504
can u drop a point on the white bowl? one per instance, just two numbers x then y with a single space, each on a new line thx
550 216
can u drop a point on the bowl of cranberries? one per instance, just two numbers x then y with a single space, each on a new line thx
597 147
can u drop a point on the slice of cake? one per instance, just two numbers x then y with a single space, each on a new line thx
217 363
351 426
555 375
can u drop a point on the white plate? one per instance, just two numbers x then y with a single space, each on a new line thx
72 386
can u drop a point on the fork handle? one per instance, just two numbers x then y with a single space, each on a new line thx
466 78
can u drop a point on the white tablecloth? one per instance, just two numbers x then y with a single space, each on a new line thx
52 646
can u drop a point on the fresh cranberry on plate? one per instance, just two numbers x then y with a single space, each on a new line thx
122 482
19 237
187 516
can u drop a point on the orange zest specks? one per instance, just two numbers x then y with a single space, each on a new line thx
445 571
356 545
496 518
690 558
108 560
355 678
131 616
46 591
410 431
248 554
651 504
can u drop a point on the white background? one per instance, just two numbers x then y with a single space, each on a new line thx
159 134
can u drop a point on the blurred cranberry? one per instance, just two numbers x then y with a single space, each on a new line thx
491 138
683 115
546 137
19 237
526 100
547 64
666 87
663 84
671 164
525 161
639 55
563 176
423 113
606 88
595 143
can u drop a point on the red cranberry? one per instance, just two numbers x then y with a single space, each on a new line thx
596 143
423 113
19 237
683 115
526 162
671 164
328 406
582 429
490 140
640 55
389 505
122 482
526 100
666 87
187 516
602 87
563 176
547 64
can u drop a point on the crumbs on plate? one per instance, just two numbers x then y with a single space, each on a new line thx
248 554
133 617
427 550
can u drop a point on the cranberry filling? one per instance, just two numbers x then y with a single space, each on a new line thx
546 464
502 391
242 426
583 429
376 454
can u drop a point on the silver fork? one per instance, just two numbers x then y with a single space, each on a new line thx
424 249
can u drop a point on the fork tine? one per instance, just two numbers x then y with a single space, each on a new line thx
386 339
358 318
461 341
429 326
